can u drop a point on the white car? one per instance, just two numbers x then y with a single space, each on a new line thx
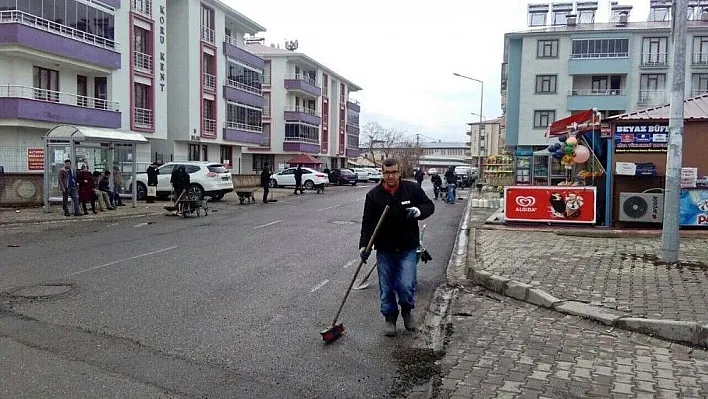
310 178
361 174
374 174
206 179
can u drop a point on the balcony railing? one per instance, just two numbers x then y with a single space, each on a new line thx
652 97
655 59
143 7
353 123
142 117
595 92
207 34
209 125
700 58
243 126
305 110
300 139
32 93
209 81
243 86
15 16
142 62
305 78
600 55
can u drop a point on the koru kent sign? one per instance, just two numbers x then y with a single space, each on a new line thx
650 137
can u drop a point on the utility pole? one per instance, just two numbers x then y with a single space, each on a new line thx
371 148
670 231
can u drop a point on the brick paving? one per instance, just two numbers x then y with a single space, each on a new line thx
503 348
618 273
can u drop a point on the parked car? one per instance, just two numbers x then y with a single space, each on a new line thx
310 178
206 179
342 176
361 174
374 174
466 176
432 171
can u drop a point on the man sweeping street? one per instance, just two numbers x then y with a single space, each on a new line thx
396 242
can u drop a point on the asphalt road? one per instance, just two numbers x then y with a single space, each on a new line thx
230 305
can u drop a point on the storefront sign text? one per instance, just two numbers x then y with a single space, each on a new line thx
550 204
641 138
35 159
161 20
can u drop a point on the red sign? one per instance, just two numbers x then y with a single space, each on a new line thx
35 159
553 204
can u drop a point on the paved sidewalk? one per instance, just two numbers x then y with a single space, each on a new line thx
616 273
503 348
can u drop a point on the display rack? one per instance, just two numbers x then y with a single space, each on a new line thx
522 167
498 171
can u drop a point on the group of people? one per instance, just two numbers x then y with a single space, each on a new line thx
84 187
450 180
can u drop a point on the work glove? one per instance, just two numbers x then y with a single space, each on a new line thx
412 213
364 255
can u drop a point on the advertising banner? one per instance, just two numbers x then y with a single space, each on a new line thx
552 204
641 138
35 159
693 208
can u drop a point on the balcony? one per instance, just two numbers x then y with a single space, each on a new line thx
354 105
700 60
582 64
209 126
26 30
654 60
353 128
209 81
584 99
29 103
302 114
236 49
142 118
208 35
142 62
243 133
303 84
142 7
301 145
243 93
652 97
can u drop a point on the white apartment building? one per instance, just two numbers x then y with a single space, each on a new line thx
307 110
572 63
486 139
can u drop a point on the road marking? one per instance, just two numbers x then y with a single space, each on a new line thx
350 263
329 207
318 286
268 224
120 261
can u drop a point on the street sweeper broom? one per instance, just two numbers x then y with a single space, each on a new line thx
336 330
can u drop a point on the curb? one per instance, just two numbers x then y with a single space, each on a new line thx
685 332
38 222
457 265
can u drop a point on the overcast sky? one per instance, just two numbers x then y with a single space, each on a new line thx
403 53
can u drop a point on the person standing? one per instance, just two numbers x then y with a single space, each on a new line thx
396 242
419 175
86 189
437 184
265 182
152 183
298 179
451 180
67 185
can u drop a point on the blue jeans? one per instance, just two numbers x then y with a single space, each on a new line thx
451 193
70 193
397 276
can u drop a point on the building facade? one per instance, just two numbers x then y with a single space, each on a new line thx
486 139
571 63
307 109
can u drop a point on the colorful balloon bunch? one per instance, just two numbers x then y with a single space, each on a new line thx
569 152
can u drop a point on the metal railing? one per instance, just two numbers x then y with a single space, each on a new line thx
243 126
700 58
652 97
299 76
143 7
21 17
209 125
209 81
595 92
243 86
301 139
353 124
599 55
33 93
305 110
142 61
655 59
142 117
208 34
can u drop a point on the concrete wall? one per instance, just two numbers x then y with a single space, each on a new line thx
21 189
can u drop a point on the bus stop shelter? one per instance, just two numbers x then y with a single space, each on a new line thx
100 149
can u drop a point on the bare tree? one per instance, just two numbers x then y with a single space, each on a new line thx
382 140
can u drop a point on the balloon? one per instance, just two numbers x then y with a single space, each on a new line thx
567 160
572 141
557 146
562 138
568 149
581 154
551 148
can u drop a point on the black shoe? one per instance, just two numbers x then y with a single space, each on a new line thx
67 214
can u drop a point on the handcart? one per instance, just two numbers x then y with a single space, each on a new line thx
186 206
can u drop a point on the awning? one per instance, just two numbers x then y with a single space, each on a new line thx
561 126
305 159
84 133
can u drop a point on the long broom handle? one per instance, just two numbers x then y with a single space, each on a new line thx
361 263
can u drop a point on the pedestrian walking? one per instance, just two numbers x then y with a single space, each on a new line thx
451 180
152 173
265 182
437 184
419 176
298 179
396 242
68 185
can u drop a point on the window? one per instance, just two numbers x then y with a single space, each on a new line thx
100 92
72 13
244 77
547 49
208 109
600 48
193 152
543 118
226 154
46 83
207 17
353 118
700 50
599 84
546 84
699 83
655 50
142 96
266 105
81 91
141 40
243 116
266 73
302 132
259 160
205 153
651 88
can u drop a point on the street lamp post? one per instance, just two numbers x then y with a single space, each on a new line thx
479 129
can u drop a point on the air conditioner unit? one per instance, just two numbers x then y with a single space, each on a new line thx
641 207
194 137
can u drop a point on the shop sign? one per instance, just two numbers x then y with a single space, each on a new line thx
693 208
35 159
641 138
605 130
550 204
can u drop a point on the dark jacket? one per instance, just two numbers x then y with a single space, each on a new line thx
419 175
298 174
265 177
451 177
396 233
152 175
436 180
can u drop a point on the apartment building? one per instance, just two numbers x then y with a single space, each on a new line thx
486 139
214 84
573 63
307 109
